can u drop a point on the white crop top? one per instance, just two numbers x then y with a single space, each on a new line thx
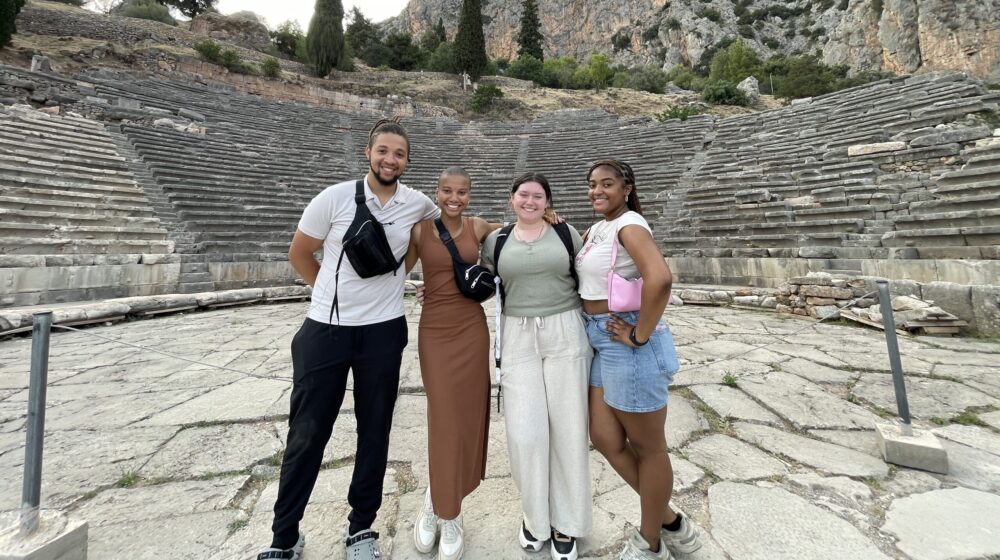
593 262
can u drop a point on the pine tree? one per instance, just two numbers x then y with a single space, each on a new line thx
470 46
440 32
325 41
190 8
530 38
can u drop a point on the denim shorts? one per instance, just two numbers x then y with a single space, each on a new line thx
634 379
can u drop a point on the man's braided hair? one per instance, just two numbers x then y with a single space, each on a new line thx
389 126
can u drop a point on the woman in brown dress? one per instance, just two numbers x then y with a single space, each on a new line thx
453 342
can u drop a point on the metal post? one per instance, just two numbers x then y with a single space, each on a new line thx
32 488
902 405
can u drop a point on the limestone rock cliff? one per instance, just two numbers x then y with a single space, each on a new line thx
887 35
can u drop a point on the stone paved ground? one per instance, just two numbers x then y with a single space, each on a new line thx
166 458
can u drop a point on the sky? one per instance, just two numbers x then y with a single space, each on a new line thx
278 11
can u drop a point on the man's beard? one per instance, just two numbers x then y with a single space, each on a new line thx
382 181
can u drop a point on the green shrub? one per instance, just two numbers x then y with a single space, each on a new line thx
443 58
771 43
877 7
722 92
673 23
677 112
621 40
644 78
734 63
148 9
287 38
484 97
271 67
230 58
72 2
844 4
711 14
558 72
209 50
526 67
746 31
651 33
684 77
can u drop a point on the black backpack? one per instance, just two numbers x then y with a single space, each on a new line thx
562 229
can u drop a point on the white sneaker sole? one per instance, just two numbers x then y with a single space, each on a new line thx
423 549
530 546
455 556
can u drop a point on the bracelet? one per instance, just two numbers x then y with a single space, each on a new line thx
631 337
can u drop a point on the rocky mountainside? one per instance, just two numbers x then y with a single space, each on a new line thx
887 35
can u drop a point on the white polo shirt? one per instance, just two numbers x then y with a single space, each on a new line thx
362 301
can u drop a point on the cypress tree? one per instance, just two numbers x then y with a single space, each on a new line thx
530 38
8 14
470 46
325 41
440 32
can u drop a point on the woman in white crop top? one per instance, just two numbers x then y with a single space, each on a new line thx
634 360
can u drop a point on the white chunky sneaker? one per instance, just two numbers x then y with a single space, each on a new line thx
636 548
452 539
529 542
685 540
563 546
425 529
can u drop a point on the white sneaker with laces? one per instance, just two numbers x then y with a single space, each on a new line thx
685 540
452 542
636 548
425 529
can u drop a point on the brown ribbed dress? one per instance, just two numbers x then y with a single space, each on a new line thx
454 346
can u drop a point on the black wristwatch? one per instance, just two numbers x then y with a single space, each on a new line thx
631 337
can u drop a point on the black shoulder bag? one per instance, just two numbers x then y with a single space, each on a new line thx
365 245
474 281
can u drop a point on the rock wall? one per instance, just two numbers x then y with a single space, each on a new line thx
906 36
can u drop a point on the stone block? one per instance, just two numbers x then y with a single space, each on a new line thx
818 252
753 301
825 312
190 115
57 538
986 308
958 135
826 292
953 298
867 149
921 450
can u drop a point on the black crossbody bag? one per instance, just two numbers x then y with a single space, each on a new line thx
474 281
365 245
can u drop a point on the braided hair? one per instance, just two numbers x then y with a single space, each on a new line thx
624 171
389 126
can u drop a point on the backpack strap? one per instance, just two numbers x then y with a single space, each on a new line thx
562 229
502 237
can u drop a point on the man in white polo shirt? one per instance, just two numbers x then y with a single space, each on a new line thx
365 331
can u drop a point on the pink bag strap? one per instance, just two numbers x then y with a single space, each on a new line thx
614 250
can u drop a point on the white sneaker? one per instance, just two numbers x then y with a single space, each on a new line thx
529 542
636 548
452 539
425 529
685 540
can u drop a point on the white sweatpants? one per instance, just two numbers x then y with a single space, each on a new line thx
546 365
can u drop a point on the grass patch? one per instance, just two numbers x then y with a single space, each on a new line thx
275 460
939 421
968 419
128 480
729 380
874 484
89 495
237 524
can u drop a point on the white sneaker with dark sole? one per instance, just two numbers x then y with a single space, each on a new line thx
284 554
563 546
528 541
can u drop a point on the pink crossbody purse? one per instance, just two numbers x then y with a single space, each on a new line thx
623 294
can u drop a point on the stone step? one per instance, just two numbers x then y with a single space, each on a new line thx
132 233
70 196
973 175
65 246
60 157
940 220
43 201
71 219
65 182
973 236
195 287
955 204
991 187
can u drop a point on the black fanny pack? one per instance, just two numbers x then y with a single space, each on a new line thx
366 247
365 243
474 281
